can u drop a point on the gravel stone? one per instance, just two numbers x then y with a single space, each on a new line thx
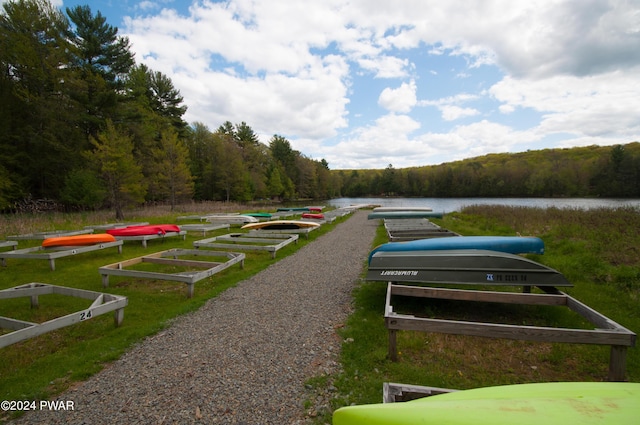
244 357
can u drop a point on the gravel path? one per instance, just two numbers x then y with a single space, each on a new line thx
243 358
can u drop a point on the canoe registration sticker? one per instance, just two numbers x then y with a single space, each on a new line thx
399 273
500 277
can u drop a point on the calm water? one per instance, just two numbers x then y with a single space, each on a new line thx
455 204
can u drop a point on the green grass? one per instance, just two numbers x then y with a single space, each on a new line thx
46 365
597 250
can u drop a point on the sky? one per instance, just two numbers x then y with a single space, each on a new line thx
365 84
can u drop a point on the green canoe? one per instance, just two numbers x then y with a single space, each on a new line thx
560 403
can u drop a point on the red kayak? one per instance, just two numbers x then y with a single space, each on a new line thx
150 229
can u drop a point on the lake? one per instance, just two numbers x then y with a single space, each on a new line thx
456 204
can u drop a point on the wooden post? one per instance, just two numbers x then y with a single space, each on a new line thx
190 290
34 301
617 363
118 317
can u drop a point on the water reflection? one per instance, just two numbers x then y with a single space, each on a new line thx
456 204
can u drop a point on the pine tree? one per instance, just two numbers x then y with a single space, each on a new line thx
114 161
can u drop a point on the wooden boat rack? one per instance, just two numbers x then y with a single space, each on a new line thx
51 254
203 227
51 234
102 303
393 393
302 231
145 238
412 229
606 332
248 241
170 257
8 244
119 225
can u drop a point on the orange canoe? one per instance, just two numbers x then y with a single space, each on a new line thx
78 240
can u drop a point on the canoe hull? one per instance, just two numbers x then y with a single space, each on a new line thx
391 209
281 225
151 229
403 214
78 240
473 267
508 244
560 403
315 216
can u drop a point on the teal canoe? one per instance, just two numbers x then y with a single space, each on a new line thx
508 244
293 209
259 215
559 403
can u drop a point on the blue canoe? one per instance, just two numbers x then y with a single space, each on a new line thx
508 244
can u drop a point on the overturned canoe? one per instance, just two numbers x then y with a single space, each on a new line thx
151 229
460 266
403 214
78 240
315 216
556 403
281 225
510 244
390 209
259 215
294 209
231 218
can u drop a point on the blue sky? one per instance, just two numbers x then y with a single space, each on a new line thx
368 83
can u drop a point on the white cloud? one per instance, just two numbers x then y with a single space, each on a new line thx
402 99
602 105
452 112
293 67
385 66
449 108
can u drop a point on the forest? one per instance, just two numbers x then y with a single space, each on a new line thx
83 127
592 171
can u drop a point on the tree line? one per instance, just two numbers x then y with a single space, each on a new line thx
592 171
83 126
